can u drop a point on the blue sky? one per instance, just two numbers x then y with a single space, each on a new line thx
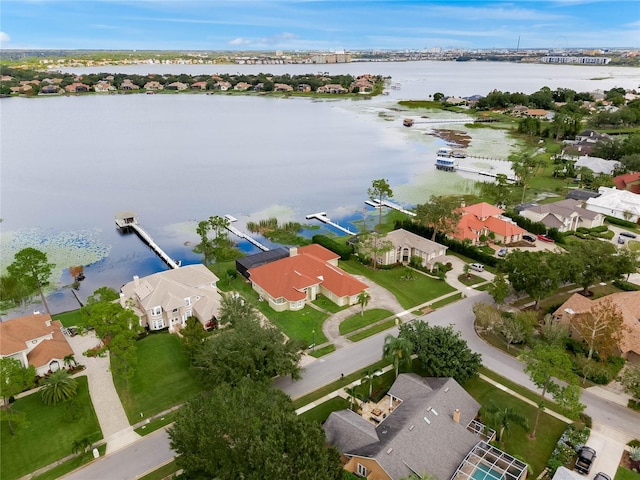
317 24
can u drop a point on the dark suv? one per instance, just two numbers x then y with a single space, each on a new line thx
586 457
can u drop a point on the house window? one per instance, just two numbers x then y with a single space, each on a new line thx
156 311
362 470
157 324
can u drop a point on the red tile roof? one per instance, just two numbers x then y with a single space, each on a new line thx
482 210
56 348
15 333
628 181
503 227
287 278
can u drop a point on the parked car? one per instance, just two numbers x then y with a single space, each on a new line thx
478 267
620 240
503 251
586 457
529 238
601 476
628 234
544 238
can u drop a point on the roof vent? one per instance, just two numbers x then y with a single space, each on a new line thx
412 427
446 390
427 420
390 450
429 409
434 411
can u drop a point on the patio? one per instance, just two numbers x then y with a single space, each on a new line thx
377 412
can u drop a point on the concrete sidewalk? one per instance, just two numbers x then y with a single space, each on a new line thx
116 430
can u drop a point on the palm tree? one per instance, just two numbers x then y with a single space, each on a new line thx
398 350
57 387
369 375
70 359
503 418
363 300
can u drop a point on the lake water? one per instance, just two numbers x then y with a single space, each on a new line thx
70 163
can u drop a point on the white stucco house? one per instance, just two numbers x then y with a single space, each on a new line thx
166 299
407 245
621 204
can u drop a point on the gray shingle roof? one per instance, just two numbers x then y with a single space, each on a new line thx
407 442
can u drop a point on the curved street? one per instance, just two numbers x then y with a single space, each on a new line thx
153 450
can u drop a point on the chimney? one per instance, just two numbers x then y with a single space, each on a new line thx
136 280
456 415
293 251
462 204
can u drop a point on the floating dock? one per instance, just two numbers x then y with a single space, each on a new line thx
385 203
128 221
450 164
243 235
322 216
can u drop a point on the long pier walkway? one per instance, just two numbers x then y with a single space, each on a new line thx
436 121
243 235
385 203
322 216
154 246
127 220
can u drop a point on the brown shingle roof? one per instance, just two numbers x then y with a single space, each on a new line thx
15 333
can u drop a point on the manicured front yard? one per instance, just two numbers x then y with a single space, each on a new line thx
625 474
363 319
409 293
162 379
48 433
304 325
322 411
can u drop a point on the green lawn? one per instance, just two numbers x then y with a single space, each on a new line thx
470 279
534 452
321 412
321 352
360 320
304 325
70 319
163 472
408 292
626 474
69 466
381 327
48 434
447 301
162 379
323 302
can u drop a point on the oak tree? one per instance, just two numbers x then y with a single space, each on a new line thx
441 213
601 328
250 431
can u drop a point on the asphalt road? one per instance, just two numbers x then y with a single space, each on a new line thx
132 461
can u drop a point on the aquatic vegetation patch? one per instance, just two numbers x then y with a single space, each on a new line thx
64 249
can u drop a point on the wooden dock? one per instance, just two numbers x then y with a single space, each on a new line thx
243 235
322 216
128 220
385 203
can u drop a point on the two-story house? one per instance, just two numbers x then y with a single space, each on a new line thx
166 299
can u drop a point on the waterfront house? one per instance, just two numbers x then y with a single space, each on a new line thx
77 87
199 85
421 425
282 87
484 220
565 215
128 85
166 299
627 303
244 264
103 86
304 87
242 86
332 88
153 86
289 283
222 86
50 89
35 340
408 246
177 86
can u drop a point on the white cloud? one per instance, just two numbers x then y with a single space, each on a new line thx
240 41
4 37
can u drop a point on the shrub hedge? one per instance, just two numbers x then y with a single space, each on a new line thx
343 250
622 223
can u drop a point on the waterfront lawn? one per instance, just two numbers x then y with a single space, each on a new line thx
70 319
162 378
363 319
409 293
48 433
516 441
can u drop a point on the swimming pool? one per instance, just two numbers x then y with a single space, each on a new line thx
484 472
